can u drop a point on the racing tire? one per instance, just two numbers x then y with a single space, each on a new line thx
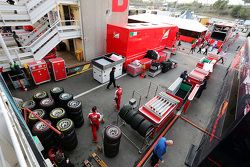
38 96
129 116
32 119
144 127
111 150
55 92
136 121
48 104
124 110
112 134
41 130
66 126
64 98
69 146
30 104
74 106
57 114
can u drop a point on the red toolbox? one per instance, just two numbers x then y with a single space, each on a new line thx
146 63
58 68
39 71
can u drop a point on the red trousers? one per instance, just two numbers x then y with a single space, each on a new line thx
94 127
118 103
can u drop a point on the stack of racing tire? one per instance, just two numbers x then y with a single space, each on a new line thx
111 140
135 120
60 111
69 139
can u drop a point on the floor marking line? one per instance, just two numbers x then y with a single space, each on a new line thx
95 88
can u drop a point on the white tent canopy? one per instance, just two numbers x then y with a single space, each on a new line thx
185 24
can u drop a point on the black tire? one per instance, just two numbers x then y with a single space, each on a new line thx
30 104
78 121
64 98
32 119
66 126
38 96
111 150
55 92
124 110
48 104
57 114
129 116
144 128
69 146
41 130
74 105
136 121
112 134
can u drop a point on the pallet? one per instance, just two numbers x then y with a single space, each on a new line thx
86 163
99 160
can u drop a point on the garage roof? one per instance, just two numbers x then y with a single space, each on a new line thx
185 24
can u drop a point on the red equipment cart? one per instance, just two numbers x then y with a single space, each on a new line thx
39 72
58 68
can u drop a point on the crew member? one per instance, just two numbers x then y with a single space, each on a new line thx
193 47
200 48
219 50
111 78
206 49
184 75
94 117
159 150
203 86
118 97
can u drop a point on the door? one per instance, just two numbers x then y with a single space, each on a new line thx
59 70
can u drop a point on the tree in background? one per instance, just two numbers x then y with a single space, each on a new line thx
220 4
239 12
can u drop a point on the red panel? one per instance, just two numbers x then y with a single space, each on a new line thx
187 39
119 8
58 67
28 28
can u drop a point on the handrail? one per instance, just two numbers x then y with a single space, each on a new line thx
52 27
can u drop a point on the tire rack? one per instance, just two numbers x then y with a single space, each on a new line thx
147 138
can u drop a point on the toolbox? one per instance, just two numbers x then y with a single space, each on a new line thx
39 72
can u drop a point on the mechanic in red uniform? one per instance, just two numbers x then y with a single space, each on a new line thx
118 97
94 117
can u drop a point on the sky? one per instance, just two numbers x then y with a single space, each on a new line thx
231 2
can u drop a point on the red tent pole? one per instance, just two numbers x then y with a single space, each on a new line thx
40 119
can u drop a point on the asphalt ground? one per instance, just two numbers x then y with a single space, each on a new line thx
91 93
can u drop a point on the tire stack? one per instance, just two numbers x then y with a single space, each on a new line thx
56 115
44 133
74 112
135 120
48 104
69 140
166 65
64 98
32 119
111 142
30 104
38 96
55 93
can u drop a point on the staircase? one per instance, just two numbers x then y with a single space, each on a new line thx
28 11
40 44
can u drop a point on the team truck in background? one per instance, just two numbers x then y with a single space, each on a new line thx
221 32
134 40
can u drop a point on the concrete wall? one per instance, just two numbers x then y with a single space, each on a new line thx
95 16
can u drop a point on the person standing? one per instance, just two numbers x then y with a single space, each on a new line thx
118 97
200 47
203 86
206 49
94 117
219 50
184 75
192 47
111 78
159 150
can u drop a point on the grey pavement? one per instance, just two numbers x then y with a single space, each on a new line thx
182 133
